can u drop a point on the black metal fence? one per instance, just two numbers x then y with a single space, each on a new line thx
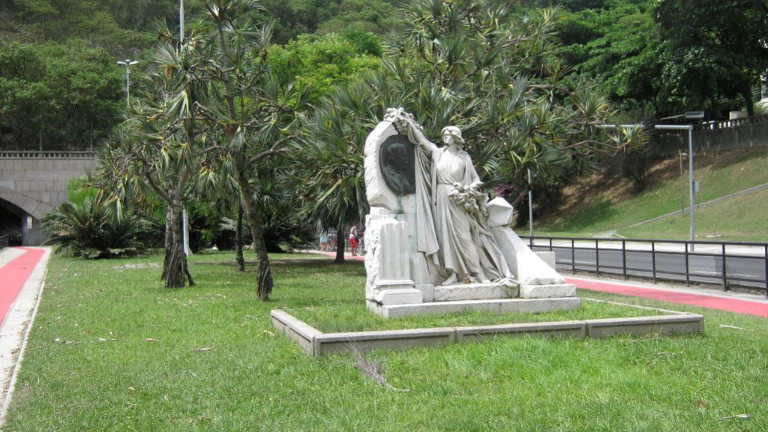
743 264
33 154
3 241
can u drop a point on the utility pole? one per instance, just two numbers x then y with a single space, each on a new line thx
530 203
181 22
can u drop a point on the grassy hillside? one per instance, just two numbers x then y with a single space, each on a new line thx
604 203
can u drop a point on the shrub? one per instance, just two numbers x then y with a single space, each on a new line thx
91 230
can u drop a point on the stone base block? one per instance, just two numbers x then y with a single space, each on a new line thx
397 296
477 291
389 339
663 325
497 306
547 291
560 329
295 329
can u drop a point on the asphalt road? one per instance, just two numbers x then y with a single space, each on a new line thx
743 267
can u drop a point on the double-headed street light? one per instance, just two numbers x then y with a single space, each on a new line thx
127 63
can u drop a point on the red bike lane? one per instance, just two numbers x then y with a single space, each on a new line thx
14 274
709 301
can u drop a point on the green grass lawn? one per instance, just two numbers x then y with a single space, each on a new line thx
111 349
740 219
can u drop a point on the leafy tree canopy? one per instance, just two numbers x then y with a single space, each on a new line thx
319 63
56 95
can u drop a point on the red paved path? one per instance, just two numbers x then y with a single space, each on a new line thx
706 301
14 274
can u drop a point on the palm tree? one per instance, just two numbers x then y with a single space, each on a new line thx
160 144
485 67
250 114
332 160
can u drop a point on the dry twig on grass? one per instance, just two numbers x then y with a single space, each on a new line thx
372 370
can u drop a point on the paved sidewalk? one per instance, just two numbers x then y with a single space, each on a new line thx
22 274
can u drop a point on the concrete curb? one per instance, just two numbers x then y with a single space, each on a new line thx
316 343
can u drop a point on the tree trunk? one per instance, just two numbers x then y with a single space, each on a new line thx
341 243
263 273
175 266
748 101
167 242
239 239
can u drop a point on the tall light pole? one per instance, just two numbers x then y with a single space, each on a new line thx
681 154
691 185
181 22
127 63
530 203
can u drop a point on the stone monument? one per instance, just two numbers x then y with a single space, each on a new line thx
434 243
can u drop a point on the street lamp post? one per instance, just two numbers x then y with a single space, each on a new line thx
127 63
181 22
691 185
530 203
682 183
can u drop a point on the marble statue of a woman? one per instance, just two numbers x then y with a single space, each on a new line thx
452 228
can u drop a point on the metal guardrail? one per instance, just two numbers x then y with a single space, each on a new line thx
3 241
743 264
23 154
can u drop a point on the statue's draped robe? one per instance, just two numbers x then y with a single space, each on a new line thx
451 238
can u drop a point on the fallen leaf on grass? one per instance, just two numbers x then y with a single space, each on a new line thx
202 349
268 332
731 327
702 404
738 416
151 340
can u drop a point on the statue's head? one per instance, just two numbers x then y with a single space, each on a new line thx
452 134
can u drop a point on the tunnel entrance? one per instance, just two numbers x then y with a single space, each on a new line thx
11 222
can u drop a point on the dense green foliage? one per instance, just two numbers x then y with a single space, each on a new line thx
497 73
61 89
662 58
652 58
56 96
320 63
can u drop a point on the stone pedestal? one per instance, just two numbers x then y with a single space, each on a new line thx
387 262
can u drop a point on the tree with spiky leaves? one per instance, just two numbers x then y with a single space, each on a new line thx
161 144
331 161
496 73
250 113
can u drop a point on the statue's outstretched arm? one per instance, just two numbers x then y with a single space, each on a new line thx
405 124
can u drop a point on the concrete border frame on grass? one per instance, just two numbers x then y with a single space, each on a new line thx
316 343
